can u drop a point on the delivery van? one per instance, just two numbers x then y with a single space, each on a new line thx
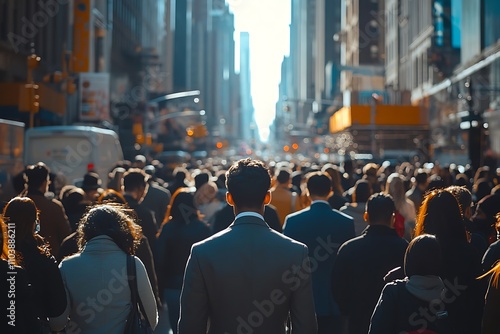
71 151
11 156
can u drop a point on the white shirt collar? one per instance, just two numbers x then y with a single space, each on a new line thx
249 214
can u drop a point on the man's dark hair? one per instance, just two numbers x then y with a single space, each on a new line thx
362 191
200 179
283 176
180 174
36 175
248 181
319 184
134 179
421 176
380 208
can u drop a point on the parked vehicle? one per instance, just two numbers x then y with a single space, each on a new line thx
11 155
71 151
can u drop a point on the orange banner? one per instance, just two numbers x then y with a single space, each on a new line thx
82 35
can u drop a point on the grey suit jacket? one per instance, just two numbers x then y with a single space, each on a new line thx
247 279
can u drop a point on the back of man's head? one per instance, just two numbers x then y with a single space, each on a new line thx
421 177
319 184
200 179
283 176
134 179
362 191
180 174
36 175
380 209
248 182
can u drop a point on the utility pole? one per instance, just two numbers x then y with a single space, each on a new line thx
29 98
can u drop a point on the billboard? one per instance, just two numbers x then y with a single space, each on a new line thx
94 97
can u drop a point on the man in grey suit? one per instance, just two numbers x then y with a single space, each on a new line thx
247 278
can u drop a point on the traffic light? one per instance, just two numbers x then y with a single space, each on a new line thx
29 98
35 102
70 86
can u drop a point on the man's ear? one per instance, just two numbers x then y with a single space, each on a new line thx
229 199
365 216
267 199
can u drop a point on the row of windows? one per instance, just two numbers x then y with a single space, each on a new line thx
26 26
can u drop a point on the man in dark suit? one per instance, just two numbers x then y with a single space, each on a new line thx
247 278
135 188
54 224
363 262
323 230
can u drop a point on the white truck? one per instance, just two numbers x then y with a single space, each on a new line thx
11 156
71 151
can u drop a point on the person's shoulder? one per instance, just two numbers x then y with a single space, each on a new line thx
297 215
160 191
212 240
70 262
353 243
341 215
393 288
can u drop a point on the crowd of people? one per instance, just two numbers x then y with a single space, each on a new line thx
255 247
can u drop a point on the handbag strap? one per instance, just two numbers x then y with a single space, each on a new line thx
132 283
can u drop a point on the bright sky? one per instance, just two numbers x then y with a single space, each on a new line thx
267 22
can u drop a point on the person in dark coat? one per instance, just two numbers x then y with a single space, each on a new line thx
54 224
16 294
180 230
362 263
179 180
135 188
49 295
440 215
157 197
416 303
323 230
75 205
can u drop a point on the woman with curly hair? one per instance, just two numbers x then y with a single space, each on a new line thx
96 278
34 256
440 215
